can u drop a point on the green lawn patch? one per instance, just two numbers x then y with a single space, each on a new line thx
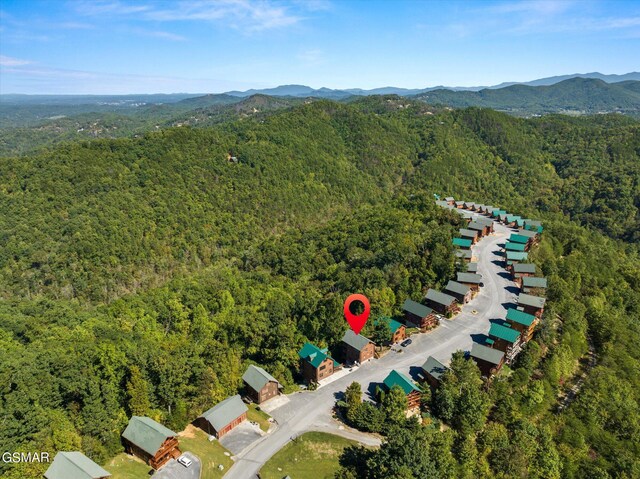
124 466
211 453
314 454
258 416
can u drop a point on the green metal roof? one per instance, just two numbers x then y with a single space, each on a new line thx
393 324
469 278
520 222
468 233
520 317
456 287
74 465
257 378
489 341
416 308
313 354
493 356
434 368
509 246
516 256
225 412
147 434
516 238
463 243
497 213
533 282
530 300
356 341
512 218
440 298
396 378
524 268
503 332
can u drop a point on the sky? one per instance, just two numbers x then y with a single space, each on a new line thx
211 46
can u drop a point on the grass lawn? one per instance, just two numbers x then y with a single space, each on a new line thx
260 417
124 466
210 453
314 454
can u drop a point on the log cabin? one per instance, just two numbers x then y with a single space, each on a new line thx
531 304
150 441
316 364
450 200
513 257
472 268
509 246
395 378
488 222
356 348
469 235
462 243
398 330
523 322
521 270
532 225
468 205
223 417
433 370
489 360
533 285
441 302
459 204
471 280
461 292
260 385
520 239
506 339
481 228
74 465
420 315
464 254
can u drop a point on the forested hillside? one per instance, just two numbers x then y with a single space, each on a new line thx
142 275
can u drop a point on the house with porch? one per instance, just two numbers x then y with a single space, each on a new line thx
471 280
534 285
356 348
505 338
461 292
523 322
260 385
395 378
420 315
316 364
471 235
531 304
398 330
441 302
150 441
489 360
462 243
433 370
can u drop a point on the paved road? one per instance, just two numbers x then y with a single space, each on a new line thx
308 411
174 470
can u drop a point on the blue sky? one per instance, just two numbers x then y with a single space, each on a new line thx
144 46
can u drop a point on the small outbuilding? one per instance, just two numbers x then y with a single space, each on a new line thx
150 441
223 417
260 385
74 465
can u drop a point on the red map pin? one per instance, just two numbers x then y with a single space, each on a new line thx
357 321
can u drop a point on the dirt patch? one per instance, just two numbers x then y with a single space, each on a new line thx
189 431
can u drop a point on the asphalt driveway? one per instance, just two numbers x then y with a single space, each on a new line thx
174 470
241 437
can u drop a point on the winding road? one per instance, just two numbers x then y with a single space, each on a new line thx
312 411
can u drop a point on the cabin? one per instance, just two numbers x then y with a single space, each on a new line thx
532 225
509 246
398 330
150 441
521 270
472 267
433 370
419 314
468 205
462 243
356 348
533 285
512 221
503 218
523 322
479 208
489 360
260 385
531 304
442 203
516 257
223 417
533 236
506 339
410 389
74 465
469 235
461 292
487 222
481 228
520 239
471 280
316 364
441 302
495 214
450 200
459 204
464 254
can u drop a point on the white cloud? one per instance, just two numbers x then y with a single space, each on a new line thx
6 61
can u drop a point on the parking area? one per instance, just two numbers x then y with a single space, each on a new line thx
241 437
174 470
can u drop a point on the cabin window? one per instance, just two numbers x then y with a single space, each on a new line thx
323 367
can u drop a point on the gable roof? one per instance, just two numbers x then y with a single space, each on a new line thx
456 287
534 282
463 243
74 465
512 218
493 356
524 268
509 246
449 198
469 278
517 256
517 238
459 203
434 368
440 298
313 354
356 341
476 225
416 308
393 324
395 378
520 317
529 300
257 378
504 332
225 412
527 233
472 267
484 221
468 233
147 434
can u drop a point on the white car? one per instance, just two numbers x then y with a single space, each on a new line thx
185 461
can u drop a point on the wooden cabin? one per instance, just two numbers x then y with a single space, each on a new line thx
316 364
521 270
489 360
531 304
505 338
395 378
533 285
472 268
468 205
471 280
488 210
481 228
513 257
459 204
260 385
450 200
462 243
461 292
356 348
520 239
150 441
464 254
441 302
223 417
479 208
489 223
74 465
433 370
533 225
534 236
398 330
422 316
523 322
469 235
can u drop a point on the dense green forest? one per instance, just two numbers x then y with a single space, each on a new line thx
141 275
